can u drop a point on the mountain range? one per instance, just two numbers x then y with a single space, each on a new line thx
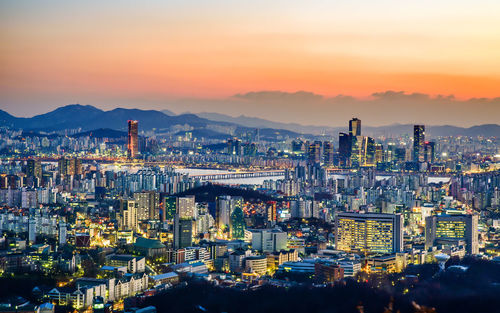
488 130
87 118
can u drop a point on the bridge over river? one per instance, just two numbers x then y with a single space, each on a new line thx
281 173
239 175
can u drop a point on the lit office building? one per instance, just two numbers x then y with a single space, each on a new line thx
369 232
183 232
269 240
452 230
357 151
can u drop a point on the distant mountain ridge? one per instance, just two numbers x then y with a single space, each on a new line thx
488 130
256 122
88 118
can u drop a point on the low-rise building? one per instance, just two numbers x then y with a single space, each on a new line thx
166 278
134 264
256 264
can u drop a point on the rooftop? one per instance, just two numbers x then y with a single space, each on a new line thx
148 243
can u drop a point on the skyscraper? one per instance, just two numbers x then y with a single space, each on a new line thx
369 151
357 151
328 153
418 143
133 139
169 207
148 205
183 232
351 145
63 232
272 215
69 166
355 127
379 153
225 207
345 142
238 223
234 146
127 218
429 152
32 230
186 207
369 232
34 168
314 152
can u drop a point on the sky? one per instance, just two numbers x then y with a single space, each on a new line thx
311 62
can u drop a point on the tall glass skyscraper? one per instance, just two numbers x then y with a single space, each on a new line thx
355 127
345 142
133 139
418 143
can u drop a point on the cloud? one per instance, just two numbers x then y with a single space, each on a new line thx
400 95
280 96
382 108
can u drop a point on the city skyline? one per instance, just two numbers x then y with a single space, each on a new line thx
256 59
261 156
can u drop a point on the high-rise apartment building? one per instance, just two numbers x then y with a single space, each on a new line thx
34 168
148 205
272 214
186 207
369 232
69 166
127 215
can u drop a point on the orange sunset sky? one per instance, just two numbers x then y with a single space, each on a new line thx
169 54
